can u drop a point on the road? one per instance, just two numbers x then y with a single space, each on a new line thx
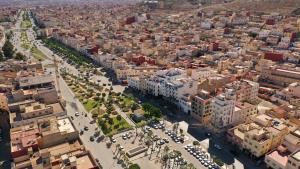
98 150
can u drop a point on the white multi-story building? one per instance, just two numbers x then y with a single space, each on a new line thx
222 109
154 85
201 73
134 82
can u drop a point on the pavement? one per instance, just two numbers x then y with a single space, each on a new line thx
149 163
73 105
104 154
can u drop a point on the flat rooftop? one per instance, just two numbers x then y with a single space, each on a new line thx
296 155
65 125
84 162
35 80
281 158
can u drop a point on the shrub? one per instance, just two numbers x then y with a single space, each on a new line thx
119 118
134 166
219 162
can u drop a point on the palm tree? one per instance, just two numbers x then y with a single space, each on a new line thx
121 154
164 160
136 134
191 166
196 144
159 148
141 136
150 133
175 127
117 148
126 160
166 150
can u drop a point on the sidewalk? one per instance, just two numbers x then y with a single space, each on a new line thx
125 116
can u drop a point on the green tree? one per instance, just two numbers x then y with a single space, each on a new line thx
110 121
101 122
20 56
119 117
134 166
134 106
8 49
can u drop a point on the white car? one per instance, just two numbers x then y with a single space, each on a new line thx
218 147
77 114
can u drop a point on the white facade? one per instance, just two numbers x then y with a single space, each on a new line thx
202 73
264 33
206 25
222 109
134 82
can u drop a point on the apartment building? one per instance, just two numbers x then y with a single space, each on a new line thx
294 160
127 71
281 75
258 141
260 135
29 111
278 158
243 111
202 107
222 109
29 139
3 102
38 81
246 90
44 95
154 85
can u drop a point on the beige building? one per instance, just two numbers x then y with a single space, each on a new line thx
258 142
259 136
281 75
28 139
243 111
3 102
294 160
30 111
278 158
35 110
202 107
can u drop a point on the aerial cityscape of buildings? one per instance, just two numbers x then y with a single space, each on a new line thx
147 85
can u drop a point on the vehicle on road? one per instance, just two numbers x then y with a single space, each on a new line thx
100 138
86 128
208 134
93 121
97 133
77 114
92 138
217 146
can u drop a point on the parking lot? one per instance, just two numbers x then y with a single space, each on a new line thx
163 135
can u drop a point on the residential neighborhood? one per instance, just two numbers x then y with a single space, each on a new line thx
186 84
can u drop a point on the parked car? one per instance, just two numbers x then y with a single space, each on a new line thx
77 114
86 128
217 146
92 138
